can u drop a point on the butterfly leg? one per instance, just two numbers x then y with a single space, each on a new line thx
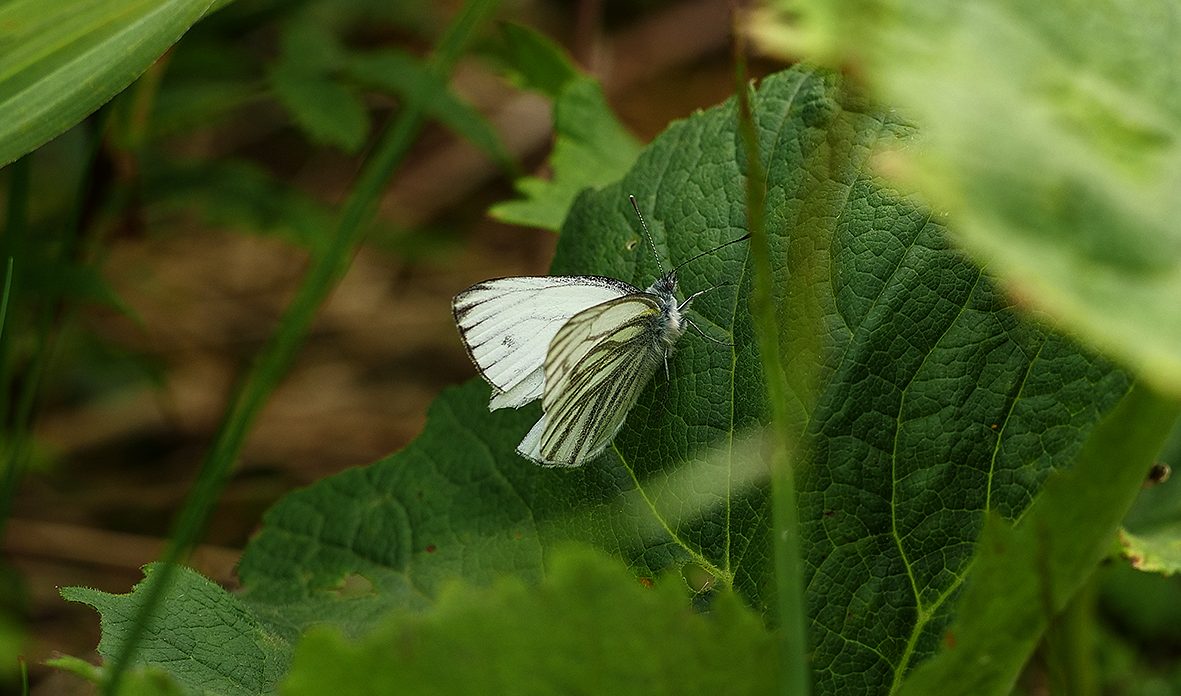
705 335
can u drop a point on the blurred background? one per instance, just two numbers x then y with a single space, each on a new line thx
190 205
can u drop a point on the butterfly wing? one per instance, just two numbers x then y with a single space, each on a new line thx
597 365
507 325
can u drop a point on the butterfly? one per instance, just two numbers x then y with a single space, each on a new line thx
585 345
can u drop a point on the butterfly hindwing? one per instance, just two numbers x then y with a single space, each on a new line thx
507 325
597 365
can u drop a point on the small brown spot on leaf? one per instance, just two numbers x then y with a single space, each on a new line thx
430 548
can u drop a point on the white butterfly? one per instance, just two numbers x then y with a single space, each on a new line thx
586 345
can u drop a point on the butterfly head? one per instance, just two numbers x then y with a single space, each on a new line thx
665 286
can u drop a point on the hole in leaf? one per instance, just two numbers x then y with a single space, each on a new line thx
697 578
353 585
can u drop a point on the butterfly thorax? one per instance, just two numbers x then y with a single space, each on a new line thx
671 324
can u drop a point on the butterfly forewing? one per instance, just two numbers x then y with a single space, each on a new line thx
507 325
598 364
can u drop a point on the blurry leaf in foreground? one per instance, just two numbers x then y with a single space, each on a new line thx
589 627
1024 574
64 59
202 635
1052 132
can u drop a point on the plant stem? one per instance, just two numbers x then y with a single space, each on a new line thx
272 362
784 453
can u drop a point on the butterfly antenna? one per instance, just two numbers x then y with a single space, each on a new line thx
647 234
743 238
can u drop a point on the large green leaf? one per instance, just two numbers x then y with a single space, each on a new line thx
937 404
1052 131
64 59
